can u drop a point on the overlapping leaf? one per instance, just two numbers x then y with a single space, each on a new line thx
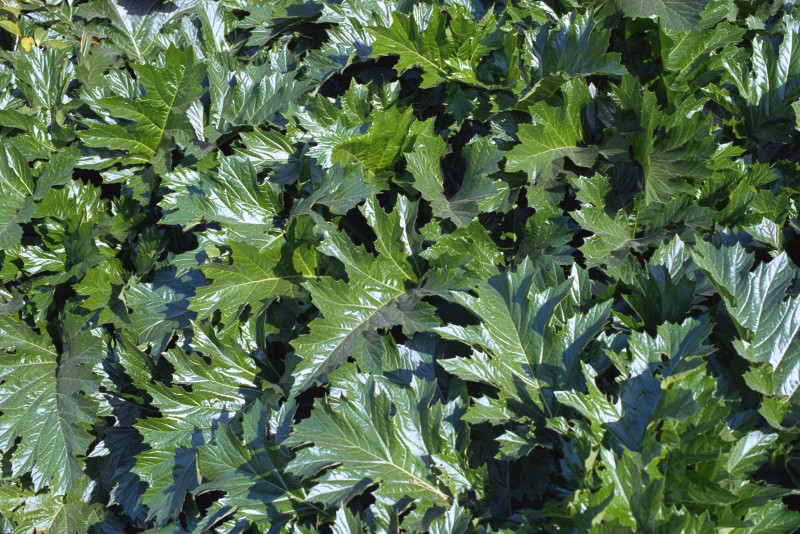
359 433
47 404
521 348
159 117
557 133
379 294
398 266
768 320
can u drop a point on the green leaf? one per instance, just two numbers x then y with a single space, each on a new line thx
428 50
340 189
47 403
676 15
658 298
462 207
170 474
556 133
161 306
684 52
256 278
50 514
520 348
578 47
159 116
470 248
766 93
232 196
383 143
134 24
102 287
117 452
610 234
376 297
360 438
643 398
16 190
43 77
250 93
399 266
672 149
749 452
773 517
225 386
251 473
220 389
768 321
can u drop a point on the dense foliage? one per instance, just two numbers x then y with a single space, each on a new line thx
371 266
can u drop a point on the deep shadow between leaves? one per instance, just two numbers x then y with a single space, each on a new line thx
141 8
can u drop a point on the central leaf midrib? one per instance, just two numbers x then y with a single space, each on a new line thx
417 481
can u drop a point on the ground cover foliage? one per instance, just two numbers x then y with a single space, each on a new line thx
370 266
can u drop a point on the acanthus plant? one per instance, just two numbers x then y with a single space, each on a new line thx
455 266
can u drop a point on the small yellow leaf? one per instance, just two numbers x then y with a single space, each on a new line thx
27 43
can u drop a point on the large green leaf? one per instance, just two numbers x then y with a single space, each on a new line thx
256 278
672 149
226 386
17 206
252 473
160 306
50 514
431 49
170 474
46 402
380 147
685 52
220 390
43 77
767 319
159 116
359 435
462 207
251 93
674 354
231 197
340 189
520 347
577 47
767 92
377 296
135 24
676 15
556 133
